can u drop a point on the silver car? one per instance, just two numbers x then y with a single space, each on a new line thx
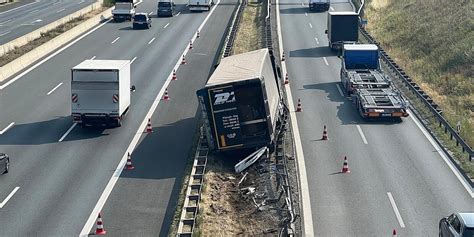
457 225
4 163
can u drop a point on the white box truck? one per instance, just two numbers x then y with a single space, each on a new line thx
200 5
100 92
124 10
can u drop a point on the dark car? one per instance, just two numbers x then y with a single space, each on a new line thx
141 20
4 163
165 8
457 225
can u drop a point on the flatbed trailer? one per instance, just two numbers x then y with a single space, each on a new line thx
380 103
363 78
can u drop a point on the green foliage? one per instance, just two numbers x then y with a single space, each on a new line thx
433 41
108 3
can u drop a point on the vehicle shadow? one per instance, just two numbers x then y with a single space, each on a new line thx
346 110
49 131
316 52
300 10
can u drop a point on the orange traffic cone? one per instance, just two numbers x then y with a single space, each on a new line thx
394 232
183 60
325 133
128 165
149 128
286 79
166 96
174 78
299 108
283 56
345 167
100 226
197 34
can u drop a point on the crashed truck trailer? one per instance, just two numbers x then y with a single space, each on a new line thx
241 102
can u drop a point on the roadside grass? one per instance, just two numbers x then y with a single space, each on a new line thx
46 36
108 3
434 42
249 33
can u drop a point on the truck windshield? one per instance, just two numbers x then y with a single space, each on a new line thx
139 18
164 4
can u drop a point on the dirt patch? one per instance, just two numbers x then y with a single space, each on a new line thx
46 36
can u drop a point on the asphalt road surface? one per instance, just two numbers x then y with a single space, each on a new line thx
397 181
61 170
21 18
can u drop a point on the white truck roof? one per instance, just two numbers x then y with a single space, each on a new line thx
360 47
343 13
101 65
239 67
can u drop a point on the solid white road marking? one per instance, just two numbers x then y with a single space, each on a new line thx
326 61
61 10
115 40
316 39
362 134
110 185
93 57
135 58
178 13
310 26
301 167
51 91
2 204
16 8
395 209
52 55
441 153
167 24
332 8
150 13
5 33
67 132
149 42
340 91
6 129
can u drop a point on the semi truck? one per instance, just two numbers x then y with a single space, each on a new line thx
342 28
319 5
370 88
124 10
200 5
361 68
241 102
100 92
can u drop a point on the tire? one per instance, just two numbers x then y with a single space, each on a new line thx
7 166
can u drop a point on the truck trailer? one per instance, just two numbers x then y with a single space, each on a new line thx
361 68
319 5
100 92
342 28
380 103
241 102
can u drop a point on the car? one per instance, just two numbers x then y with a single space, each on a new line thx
4 163
141 20
165 8
457 225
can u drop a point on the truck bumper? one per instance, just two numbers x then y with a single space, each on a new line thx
96 119
199 8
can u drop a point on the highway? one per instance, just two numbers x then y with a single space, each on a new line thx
61 171
21 18
398 180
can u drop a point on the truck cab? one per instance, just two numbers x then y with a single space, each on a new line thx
361 68
319 5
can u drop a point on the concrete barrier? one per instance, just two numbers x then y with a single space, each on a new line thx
22 40
27 59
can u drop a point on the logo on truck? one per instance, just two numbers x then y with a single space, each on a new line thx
223 98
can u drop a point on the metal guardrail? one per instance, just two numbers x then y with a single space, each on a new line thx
229 42
190 209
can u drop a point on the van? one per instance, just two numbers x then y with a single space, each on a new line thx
165 8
